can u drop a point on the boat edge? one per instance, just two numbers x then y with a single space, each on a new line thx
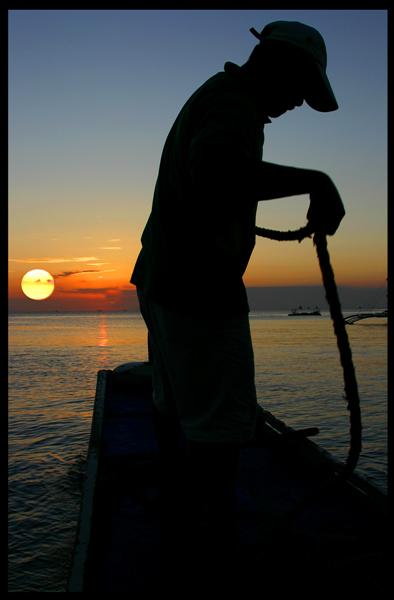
81 545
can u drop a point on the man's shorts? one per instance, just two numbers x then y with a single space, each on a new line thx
203 370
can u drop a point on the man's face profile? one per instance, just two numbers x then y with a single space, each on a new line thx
289 77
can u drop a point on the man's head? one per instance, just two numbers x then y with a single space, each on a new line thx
290 64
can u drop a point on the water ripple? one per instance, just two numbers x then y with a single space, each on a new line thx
53 363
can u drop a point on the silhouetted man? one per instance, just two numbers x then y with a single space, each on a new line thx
198 240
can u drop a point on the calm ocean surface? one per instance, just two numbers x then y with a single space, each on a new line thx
53 363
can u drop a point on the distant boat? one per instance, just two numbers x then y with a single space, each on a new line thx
300 312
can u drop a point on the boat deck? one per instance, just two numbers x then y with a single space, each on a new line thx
338 537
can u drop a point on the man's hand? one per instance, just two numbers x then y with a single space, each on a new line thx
326 209
278 181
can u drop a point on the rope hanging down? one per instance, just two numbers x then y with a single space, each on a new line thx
351 389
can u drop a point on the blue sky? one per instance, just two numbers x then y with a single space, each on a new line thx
93 94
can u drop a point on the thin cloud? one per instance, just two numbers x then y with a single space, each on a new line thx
84 258
53 261
114 240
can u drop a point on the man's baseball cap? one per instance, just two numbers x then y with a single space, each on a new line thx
320 96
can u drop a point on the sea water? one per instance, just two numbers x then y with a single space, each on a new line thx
53 364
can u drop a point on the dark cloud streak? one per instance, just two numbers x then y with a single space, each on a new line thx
69 273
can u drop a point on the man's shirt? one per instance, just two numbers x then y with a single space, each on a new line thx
200 234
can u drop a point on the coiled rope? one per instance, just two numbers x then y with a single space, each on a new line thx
345 353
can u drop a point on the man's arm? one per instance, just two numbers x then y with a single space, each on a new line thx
326 209
279 181
223 172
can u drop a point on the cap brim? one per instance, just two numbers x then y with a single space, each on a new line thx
320 95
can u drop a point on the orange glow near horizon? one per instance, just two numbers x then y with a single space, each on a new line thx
119 295
103 283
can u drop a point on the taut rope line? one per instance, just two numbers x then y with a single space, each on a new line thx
331 292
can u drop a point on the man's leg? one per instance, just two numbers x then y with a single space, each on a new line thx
207 369
164 415
212 478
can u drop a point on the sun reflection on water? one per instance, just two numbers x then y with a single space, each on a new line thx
103 332
103 342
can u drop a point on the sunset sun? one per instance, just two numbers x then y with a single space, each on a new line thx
37 284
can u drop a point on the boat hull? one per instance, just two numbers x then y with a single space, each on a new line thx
291 515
